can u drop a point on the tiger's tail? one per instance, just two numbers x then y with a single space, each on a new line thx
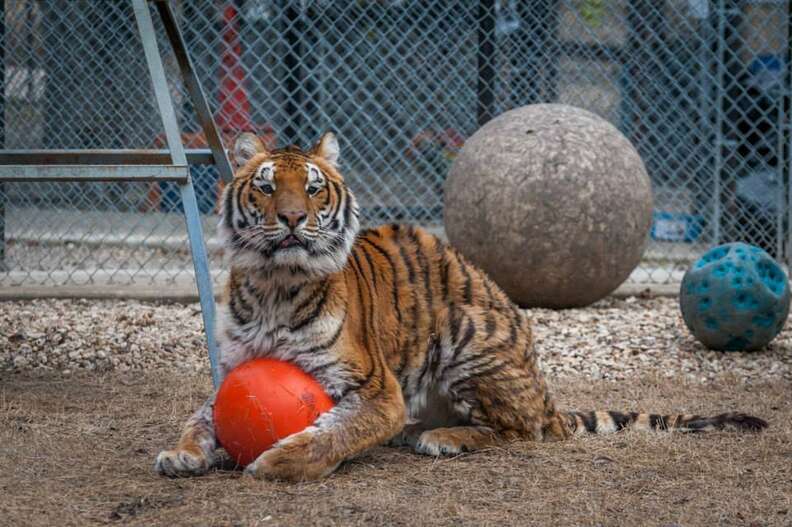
606 422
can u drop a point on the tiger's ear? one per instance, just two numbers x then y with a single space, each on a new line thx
327 148
246 147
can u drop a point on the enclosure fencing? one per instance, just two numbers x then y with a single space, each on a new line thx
701 88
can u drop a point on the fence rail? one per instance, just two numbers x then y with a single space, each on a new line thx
702 88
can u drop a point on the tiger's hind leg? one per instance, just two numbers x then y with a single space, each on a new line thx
408 436
491 412
498 398
454 440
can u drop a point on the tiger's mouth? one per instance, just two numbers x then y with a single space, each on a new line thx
291 241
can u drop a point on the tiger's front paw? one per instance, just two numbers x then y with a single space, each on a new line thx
180 463
296 458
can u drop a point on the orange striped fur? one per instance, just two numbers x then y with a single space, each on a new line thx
416 345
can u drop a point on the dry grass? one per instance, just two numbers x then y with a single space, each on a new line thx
79 451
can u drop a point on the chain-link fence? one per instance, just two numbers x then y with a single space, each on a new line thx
700 87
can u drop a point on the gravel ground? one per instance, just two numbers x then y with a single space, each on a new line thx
614 339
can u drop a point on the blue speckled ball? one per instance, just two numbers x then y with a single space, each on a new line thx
735 297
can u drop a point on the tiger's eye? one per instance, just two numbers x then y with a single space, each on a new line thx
313 189
266 188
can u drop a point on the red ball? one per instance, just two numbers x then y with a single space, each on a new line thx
262 401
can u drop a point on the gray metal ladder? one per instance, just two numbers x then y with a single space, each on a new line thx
146 165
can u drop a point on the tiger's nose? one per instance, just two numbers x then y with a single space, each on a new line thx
292 218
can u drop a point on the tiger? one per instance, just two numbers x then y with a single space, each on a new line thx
415 345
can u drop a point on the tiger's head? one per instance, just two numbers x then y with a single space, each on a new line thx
288 210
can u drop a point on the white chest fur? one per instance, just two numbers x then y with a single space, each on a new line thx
268 333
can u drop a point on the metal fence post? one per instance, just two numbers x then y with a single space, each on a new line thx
787 133
537 36
486 58
644 20
3 196
717 173
292 62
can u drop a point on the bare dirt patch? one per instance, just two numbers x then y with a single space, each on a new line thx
79 451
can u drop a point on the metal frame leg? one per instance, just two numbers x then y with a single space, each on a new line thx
189 203
202 277
193 86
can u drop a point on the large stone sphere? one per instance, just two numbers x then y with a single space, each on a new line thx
553 202
735 298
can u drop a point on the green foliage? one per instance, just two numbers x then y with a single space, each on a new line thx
592 11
